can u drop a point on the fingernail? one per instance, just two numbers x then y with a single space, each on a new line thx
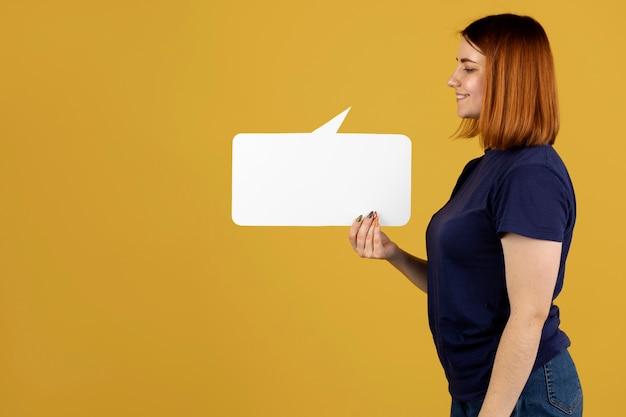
358 219
369 216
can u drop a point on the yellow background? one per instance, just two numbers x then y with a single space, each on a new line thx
125 288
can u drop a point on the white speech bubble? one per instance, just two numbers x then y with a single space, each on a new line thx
323 178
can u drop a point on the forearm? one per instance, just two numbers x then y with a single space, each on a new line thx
513 364
415 269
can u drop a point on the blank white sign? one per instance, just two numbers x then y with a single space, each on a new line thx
323 178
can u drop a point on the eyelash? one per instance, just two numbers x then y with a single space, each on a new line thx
469 70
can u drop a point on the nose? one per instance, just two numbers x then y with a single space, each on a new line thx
453 81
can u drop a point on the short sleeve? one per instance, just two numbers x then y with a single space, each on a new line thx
533 201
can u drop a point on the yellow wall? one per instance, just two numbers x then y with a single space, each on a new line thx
125 288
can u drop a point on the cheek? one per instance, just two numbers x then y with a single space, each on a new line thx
478 90
480 85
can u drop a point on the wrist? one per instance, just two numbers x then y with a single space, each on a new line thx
396 255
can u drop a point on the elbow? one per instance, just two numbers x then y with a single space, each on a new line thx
539 317
532 316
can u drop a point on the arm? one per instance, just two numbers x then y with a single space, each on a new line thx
531 271
370 242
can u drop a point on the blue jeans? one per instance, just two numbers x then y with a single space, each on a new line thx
551 391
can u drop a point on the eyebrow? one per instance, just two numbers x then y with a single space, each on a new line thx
464 60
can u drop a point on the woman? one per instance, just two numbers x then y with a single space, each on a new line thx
497 249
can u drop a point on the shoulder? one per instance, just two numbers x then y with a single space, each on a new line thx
544 155
534 160
535 177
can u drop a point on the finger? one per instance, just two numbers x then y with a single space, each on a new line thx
377 239
361 234
356 224
369 238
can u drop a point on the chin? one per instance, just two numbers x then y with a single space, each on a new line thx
468 114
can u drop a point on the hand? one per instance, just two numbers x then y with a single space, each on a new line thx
367 239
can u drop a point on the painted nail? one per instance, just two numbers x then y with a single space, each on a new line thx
369 216
358 219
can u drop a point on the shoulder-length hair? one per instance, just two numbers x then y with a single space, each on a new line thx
520 104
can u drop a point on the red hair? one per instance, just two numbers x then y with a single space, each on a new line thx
520 104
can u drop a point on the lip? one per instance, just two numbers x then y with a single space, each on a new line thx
460 97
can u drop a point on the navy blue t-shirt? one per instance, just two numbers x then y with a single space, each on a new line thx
526 191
